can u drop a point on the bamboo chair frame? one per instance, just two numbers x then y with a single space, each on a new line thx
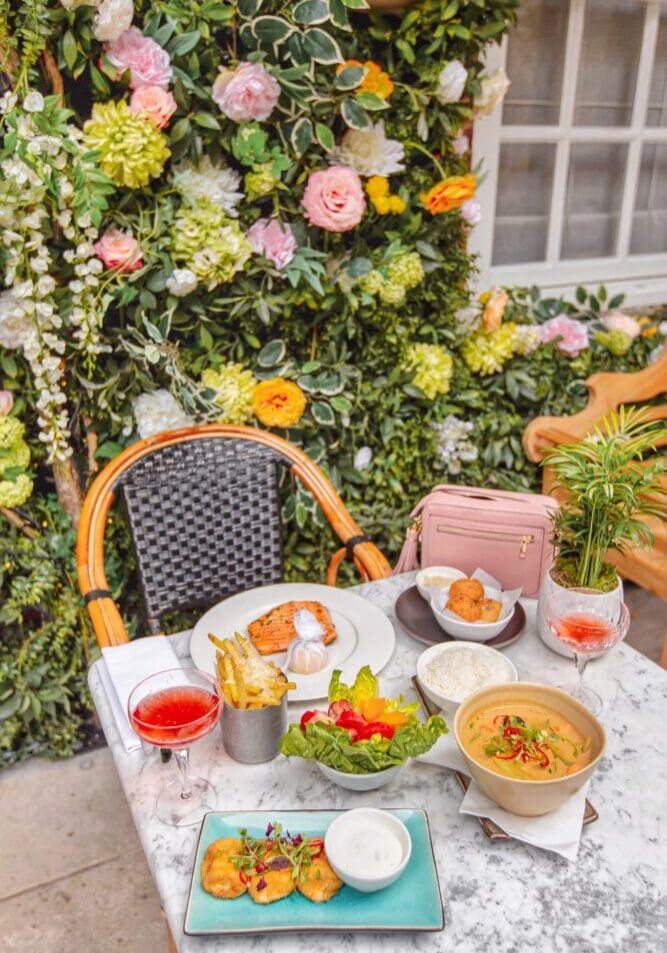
105 616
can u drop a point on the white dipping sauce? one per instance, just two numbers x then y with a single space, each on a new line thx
371 850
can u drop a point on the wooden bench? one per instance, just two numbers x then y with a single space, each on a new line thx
647 568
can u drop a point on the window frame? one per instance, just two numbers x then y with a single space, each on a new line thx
643 278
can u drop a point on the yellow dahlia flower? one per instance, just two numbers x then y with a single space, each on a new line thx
235 387
279 403
432 366
485 352
132 149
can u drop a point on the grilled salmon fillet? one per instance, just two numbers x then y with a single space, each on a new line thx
274 630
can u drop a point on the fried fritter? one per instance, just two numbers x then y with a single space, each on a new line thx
466 608
318 881
279 884
219 876
471 588
490 610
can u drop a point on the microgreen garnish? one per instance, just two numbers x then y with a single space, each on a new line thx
275 851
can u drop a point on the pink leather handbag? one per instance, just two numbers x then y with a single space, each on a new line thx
506 534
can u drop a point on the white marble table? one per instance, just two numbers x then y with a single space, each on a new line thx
500 897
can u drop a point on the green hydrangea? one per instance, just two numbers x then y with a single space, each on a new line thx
371 282
15 492
234 386
391 292
432 365
260 181
213 246
11 432
15 487
406 270
132 150
617 342
485 352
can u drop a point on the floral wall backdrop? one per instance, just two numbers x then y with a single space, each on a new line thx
252 212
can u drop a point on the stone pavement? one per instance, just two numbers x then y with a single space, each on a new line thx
73 878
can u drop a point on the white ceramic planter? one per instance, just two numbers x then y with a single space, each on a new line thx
548 588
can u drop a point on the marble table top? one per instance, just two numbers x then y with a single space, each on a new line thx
499 897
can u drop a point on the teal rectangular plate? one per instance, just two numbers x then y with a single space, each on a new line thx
411 904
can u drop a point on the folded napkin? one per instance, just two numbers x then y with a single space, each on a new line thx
559 831
123 667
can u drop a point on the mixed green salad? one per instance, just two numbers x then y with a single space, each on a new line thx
361 732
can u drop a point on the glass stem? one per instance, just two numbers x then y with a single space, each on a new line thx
581 662
182 756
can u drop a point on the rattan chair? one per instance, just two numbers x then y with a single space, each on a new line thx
203 505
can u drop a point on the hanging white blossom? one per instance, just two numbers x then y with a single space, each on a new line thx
454 443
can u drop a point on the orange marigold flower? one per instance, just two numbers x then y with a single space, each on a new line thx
450 193
649 332
375 81
278 403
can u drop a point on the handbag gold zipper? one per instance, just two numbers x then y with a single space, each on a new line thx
524 538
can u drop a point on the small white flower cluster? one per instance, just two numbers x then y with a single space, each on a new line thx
454 443
86 315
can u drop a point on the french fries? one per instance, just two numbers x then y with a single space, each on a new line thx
246 679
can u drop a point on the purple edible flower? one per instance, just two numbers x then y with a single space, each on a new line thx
280 863
297 840
261 883
269 830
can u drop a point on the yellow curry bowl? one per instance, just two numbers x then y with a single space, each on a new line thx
571 745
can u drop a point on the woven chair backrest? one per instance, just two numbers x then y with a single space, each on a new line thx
205 521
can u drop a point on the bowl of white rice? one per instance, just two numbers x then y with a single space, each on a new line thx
450 672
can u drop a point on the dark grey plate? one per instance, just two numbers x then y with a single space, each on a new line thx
415 615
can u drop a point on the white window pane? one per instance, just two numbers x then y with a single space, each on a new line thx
656 114
649 224
535 55
608 64
525 179
594 194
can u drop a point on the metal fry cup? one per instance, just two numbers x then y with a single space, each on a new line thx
252 735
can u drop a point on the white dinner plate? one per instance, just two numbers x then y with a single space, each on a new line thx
365 634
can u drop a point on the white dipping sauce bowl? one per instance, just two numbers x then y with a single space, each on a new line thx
469 631
443 701
367 817
448 572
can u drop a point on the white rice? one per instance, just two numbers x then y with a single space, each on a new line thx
457 672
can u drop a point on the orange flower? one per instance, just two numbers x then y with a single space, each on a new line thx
375 81
278 403
450 193
494 309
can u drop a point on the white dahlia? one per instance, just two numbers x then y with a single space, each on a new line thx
369 152
214 182
157 412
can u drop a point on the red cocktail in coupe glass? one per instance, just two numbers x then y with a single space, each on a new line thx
171 710
588 622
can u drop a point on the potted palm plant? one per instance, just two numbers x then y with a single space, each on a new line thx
609 493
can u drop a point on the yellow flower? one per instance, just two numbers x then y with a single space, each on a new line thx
432 366
377 187
450 193
132 150
235 388
278 403
375 81
396 204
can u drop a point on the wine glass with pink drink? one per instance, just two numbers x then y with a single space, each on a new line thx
587 626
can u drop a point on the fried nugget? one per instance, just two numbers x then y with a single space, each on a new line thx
490 610
471 588
219 876
466 608
318 881
272 885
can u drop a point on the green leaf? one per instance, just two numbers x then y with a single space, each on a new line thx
248 8
355 117
272 353
406 51
359 266
206 120
99 80
322 413
205 337
371 101
321 47
341 404
69 49
273 30
581 294
311 11
325 136
108 450
180 129
301 135
350 77
356 4
183 43
338 14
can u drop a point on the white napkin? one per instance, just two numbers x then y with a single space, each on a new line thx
123 667
559 831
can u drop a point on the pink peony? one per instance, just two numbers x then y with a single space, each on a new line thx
148 63
155 103
334 199
6 402
247 93
275 241
119 250
573 334
617 321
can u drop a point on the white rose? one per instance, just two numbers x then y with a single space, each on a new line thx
363 458
617 321
113 17
451 82
34 102
157 412
181 282
492 92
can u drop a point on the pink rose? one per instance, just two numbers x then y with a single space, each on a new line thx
6 402
617 321
334 199
154 103
119 250
573 334
275 241
247 93
148 63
